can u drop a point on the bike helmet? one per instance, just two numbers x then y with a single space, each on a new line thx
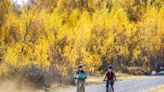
110 67
80 65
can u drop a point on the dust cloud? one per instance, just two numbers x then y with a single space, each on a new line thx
15 86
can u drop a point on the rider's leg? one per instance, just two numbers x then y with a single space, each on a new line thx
77 85
107 85
112 85
83 85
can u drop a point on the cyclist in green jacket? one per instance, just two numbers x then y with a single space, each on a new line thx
80 77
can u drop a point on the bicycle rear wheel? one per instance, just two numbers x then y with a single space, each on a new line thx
109 86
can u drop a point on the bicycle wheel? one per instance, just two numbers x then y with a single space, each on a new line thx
109 88
80 86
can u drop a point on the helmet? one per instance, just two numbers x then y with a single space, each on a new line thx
80 65
110 67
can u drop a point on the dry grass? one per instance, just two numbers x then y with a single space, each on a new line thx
158 89
120 77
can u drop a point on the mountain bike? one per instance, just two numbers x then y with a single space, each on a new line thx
108 85
80 86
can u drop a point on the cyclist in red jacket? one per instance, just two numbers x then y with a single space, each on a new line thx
110 77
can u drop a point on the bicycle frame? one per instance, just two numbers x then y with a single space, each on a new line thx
109 87
80 86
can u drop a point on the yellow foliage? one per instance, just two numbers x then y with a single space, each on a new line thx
80 32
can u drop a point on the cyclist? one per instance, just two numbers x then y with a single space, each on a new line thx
110 77
80 77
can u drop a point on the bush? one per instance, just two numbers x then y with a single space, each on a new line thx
40 77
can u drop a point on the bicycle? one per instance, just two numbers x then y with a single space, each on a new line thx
80 86
108 85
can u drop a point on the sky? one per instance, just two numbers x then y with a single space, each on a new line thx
20 1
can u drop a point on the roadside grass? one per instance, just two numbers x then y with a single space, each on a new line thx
120 77
158 89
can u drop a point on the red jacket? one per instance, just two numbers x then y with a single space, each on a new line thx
110 76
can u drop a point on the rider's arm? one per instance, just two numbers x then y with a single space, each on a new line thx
75 75
85 75
105 77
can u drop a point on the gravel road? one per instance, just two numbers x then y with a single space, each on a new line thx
126 86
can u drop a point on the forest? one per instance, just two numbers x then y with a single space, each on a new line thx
47 39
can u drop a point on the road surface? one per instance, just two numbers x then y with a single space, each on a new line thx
126 86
